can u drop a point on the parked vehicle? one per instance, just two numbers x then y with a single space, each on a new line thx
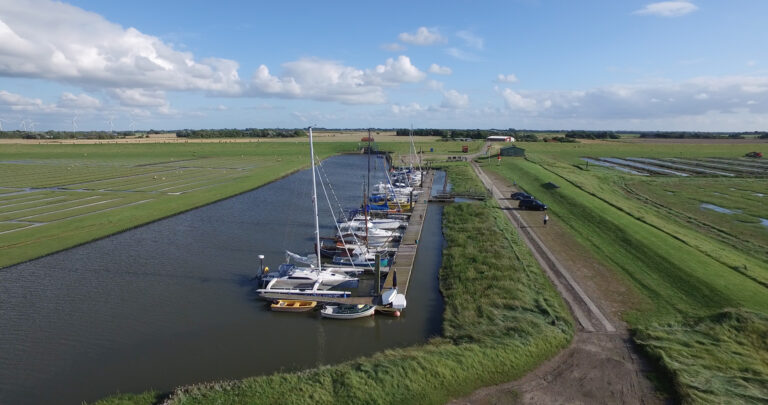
533 205
521 196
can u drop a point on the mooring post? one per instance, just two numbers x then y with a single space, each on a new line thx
378 274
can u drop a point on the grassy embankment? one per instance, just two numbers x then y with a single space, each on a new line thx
502 318
690 270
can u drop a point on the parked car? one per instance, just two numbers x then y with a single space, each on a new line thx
532 204
521 196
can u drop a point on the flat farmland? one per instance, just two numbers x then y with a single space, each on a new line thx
53 197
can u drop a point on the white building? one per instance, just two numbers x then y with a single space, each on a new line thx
500 138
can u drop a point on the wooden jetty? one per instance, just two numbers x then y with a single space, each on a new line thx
406 252
403 260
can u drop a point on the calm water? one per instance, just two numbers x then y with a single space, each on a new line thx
171 303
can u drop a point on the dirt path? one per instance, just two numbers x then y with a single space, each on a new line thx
601 365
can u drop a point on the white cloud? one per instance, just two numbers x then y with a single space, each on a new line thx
656 100
751 63
470 39
396 71
423 36
139 97
18 102
71 101
57 41
439 70
393 47
510 78
435 85
516 101
462 55
667 9
408 109
452 99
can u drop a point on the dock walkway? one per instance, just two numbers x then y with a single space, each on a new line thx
406 252
404 256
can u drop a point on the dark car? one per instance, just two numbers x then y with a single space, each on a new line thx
521 196
533 205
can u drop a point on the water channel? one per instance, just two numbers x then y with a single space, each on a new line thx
171 303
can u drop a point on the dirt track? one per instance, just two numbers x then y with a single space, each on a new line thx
601 365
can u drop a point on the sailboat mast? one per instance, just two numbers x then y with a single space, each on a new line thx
314 201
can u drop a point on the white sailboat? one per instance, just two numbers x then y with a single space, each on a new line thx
291 278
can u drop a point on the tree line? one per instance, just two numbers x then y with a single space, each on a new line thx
240 133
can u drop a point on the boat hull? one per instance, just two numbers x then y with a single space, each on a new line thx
347 311
293 305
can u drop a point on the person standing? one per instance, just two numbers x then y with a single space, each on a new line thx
546 218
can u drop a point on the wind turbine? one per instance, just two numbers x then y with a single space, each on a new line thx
74 123
23 125
132 125
1 123
111 125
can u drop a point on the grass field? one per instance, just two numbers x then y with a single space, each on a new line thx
690 263
502 318
55 196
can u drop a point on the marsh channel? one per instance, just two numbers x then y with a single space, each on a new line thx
171 303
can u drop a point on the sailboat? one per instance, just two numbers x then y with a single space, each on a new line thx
310 280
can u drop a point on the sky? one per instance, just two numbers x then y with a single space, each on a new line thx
528 64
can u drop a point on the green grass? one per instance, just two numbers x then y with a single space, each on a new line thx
462 178
687 265
502 318
717 359
201 172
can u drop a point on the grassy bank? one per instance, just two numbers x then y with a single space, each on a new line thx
502 318
462 178
687 268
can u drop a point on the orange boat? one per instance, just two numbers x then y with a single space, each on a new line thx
293 305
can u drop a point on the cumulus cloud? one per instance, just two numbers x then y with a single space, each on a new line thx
452 99
423 36
470 39
516 101
139 97
52 40
18 102
408 109
80 101
439 70
694 97
667 9
396 71
510 78
332 81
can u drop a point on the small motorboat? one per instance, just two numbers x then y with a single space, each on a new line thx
293 305
342 311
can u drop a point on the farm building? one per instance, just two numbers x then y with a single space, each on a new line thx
500 138
512 151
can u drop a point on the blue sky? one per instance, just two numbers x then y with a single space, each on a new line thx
628 65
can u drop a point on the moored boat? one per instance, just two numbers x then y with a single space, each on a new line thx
347 311
293 305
